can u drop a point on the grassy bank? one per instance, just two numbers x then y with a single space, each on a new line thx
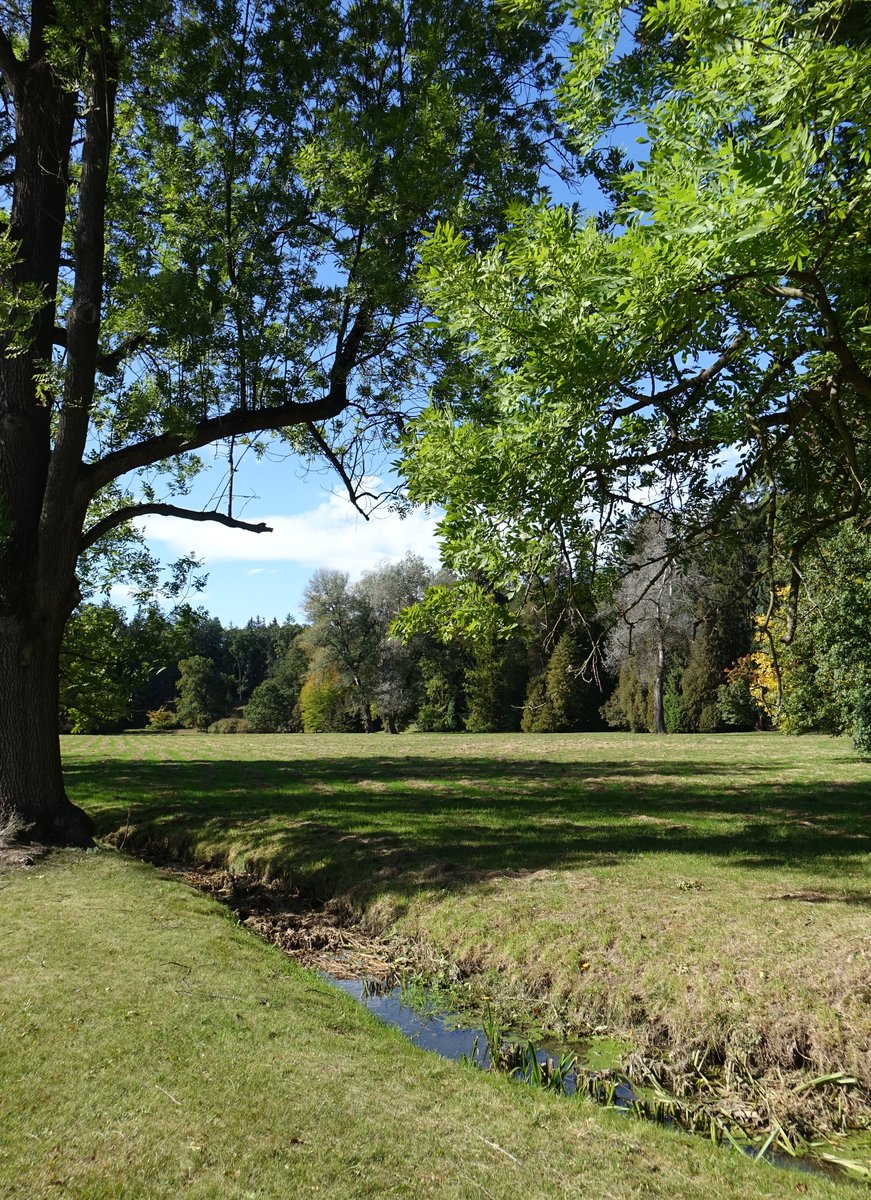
708 896
152 1048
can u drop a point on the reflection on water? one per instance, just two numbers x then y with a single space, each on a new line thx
433 1029
430 1028
427 1027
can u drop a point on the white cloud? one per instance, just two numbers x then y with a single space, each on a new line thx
120 593
332 535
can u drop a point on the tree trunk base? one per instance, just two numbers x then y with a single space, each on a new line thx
69 827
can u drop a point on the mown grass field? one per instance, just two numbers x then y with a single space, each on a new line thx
693 893
152 1048
706 896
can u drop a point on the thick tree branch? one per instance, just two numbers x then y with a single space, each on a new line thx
108 361
836 342
348 349
11 66
113 520
99 88
211 429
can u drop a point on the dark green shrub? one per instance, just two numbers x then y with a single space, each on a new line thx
701 678
273 708
230 725
483 686
709 719
674 711
203 692
538 715
441 711
631 704
736 706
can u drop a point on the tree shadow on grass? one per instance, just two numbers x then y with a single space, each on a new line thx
383 824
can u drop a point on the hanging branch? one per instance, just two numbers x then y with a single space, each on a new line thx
353 495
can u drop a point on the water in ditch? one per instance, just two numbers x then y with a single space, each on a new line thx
431 1028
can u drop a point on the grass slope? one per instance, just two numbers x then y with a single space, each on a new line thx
710 895
152 1048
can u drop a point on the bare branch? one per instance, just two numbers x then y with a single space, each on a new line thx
120 515
338 467
788 293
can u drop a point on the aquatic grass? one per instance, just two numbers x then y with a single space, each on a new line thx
495 1038
474 1057
853 1170
528 1064
561 1073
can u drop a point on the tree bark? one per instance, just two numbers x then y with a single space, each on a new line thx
33 803
40 517
659 689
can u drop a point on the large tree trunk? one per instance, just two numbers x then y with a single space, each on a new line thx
41 505
33 804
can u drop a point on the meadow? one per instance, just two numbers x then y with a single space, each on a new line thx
153 1049
704 899
700 895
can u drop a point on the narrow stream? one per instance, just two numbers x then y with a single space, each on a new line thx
316 940
430 1030
440 1032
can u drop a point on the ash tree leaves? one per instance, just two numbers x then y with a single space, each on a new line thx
712 339
274 168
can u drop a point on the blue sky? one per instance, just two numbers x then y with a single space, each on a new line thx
314 525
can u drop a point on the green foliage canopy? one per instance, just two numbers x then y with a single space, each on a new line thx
708 339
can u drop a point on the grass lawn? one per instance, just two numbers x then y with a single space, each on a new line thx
709 897
153 1048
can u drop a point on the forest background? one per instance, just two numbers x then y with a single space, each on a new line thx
567 655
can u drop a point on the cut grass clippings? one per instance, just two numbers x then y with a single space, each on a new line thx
152 1048
707 897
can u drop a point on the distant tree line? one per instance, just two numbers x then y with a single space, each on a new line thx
657 639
